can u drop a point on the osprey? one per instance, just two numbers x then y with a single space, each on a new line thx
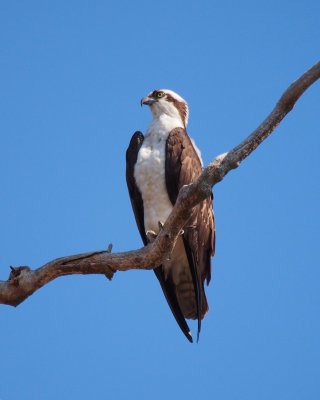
158 165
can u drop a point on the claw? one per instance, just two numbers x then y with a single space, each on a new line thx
151 236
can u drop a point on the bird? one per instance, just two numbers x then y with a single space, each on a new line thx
157 166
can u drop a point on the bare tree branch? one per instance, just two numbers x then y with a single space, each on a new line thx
23 281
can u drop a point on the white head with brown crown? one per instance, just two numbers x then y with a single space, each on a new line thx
167 103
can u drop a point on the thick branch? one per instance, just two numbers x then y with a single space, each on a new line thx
23 281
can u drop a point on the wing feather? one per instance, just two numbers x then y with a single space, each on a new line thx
183 166
134 192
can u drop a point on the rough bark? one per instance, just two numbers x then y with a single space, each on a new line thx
24 281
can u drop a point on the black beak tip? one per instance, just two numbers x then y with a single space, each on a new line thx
147 101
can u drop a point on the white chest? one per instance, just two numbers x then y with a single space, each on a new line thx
149 173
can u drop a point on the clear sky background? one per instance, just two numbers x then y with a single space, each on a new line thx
72 76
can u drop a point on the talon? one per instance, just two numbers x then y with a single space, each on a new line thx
151 236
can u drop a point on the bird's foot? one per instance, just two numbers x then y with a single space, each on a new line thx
151 236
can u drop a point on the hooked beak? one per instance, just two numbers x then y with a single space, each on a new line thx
147 100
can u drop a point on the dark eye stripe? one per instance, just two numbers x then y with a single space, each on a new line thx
156 93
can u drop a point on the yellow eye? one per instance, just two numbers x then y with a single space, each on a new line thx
160 94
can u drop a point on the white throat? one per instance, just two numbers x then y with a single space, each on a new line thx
161 125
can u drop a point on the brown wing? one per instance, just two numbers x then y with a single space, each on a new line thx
183 166
137 206
134 192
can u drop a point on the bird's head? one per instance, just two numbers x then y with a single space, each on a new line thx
169 103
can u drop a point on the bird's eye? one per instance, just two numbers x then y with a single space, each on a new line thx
160 94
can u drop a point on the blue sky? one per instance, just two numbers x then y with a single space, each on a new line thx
72 76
